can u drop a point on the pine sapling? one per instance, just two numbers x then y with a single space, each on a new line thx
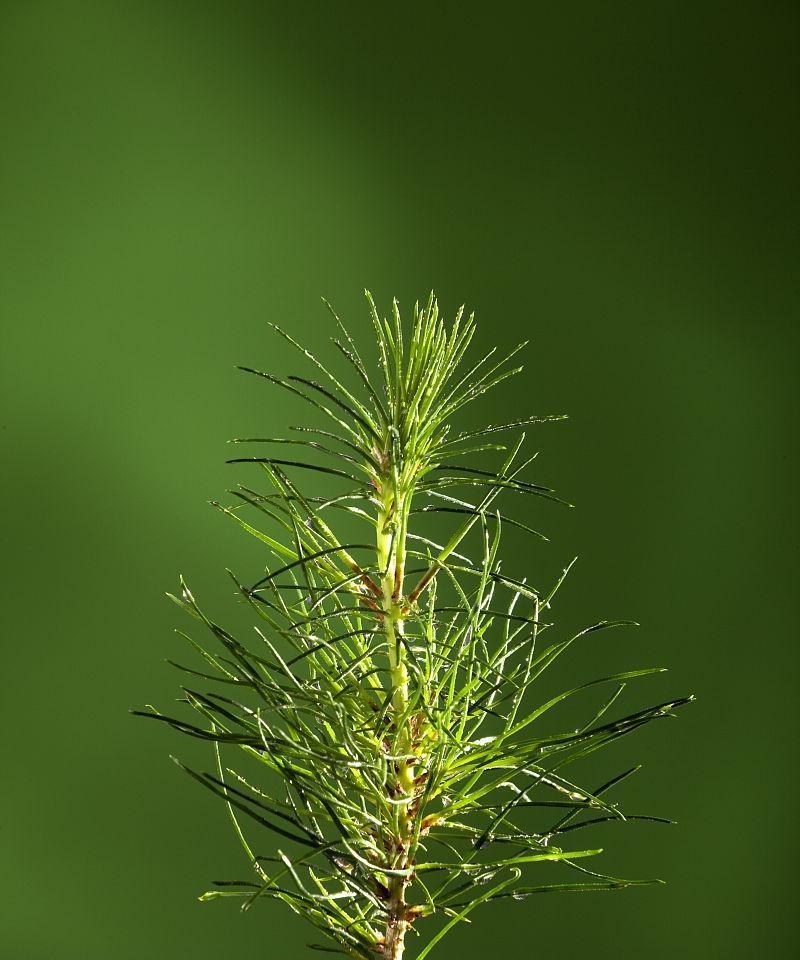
387 711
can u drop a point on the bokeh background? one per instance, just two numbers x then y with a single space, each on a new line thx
616 182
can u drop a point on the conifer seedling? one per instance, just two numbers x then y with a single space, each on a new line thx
382 739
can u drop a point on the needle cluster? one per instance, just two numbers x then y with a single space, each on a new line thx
385 710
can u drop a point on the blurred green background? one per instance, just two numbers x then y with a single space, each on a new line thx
615 181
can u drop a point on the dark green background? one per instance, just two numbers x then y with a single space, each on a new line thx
615 181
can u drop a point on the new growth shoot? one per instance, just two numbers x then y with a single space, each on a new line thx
386 709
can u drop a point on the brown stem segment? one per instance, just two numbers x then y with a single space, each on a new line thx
396 923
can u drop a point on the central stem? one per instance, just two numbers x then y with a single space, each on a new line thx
391 538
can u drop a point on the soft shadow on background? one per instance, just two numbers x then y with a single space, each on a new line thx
616 182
